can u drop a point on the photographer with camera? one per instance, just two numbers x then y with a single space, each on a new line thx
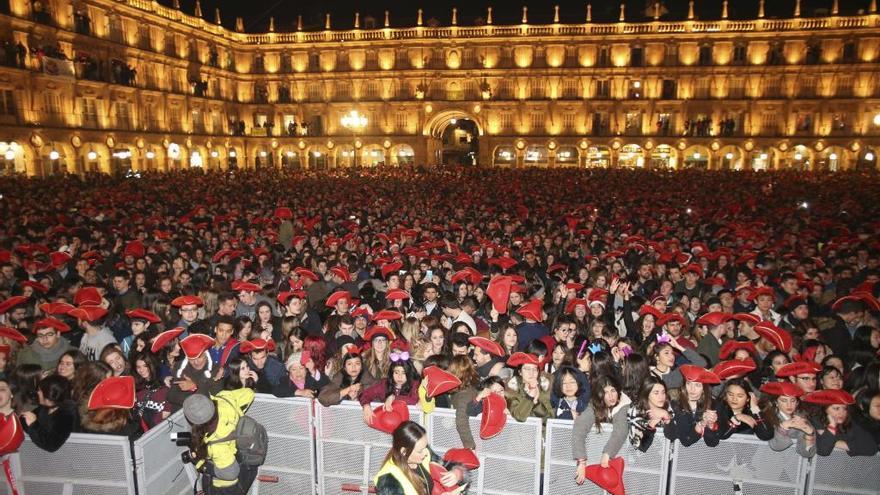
213 446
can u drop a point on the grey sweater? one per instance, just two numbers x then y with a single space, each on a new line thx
587 419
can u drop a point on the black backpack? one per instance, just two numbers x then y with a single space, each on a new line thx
251 439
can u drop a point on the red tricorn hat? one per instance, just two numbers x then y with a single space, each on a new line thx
713 319
487 345
775 335
164 339
749 318
798 368
762 291
241 286
693 373
56 308
283 213
693 268
782 388
135 249
731 346
388 421
12 334
465 457
143 314
58 258
647 309
503 262
396 294
286 296
12 302
36 286
499 292
494 416
257 345
11 434
389 268
609 479
468 274
116 392
532 310
570 305
829 397
861 297
341 272
181 301
439 381
386 314
194 345
88 313
734 368
87 296
338 296
378 331
53 323
518 359
305 273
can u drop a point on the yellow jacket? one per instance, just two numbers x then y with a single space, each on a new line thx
222 454
393 470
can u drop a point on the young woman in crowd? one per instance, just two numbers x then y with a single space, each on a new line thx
55 418
150 407
693 414
348 382
608 404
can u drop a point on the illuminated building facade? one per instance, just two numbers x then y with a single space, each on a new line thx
112 85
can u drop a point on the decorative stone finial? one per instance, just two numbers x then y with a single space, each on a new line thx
299 23
835 8
873 8
271 24
177 4
357 20
239 24
589 12
387 19
198 9
556 14
724 10
419 21
488 15
797 8
327 22
656 11
217 16
622 17
691 10
525 18
454 16
761 10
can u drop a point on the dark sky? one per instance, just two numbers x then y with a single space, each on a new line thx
256 13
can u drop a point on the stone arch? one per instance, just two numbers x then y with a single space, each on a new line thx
441 120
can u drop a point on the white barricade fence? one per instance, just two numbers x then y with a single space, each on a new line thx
290 463
743 460
86 464
157 462
839 474
510 463
644 473
349 451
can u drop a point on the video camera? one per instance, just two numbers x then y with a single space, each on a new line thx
184 439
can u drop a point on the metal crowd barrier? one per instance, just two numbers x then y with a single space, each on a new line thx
158 468
510 463
349 451
840 474
289 466
645 472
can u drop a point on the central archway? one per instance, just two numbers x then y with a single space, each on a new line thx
455 138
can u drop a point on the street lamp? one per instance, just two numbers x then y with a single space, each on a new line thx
354 122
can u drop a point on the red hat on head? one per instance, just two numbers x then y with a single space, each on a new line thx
829 397
143 314
257 345
794 301
341 273
609 479
439 381
164 338
499 292
5 350
386 314
305 273
574 286
87 296
116 392
283 213
194 345
54 323
647 309
518 359
338 296
734 368
135 249
12 302
468 274
361 312
713 319
378 331
494 417
503 262
88 313
532 310
35 286
12 334
730 347
465 457
749 318
388 421
796 368
396 294
693 373
782 388
775 335
487 345
762 291
56 308
693 268
863 297
286 296
181 301
58 259
11 434
241 286
570 305
670 317
390 268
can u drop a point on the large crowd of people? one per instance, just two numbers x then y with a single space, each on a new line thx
705 303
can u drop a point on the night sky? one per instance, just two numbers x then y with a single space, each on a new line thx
256 13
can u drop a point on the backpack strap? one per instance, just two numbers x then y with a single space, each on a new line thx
232 435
